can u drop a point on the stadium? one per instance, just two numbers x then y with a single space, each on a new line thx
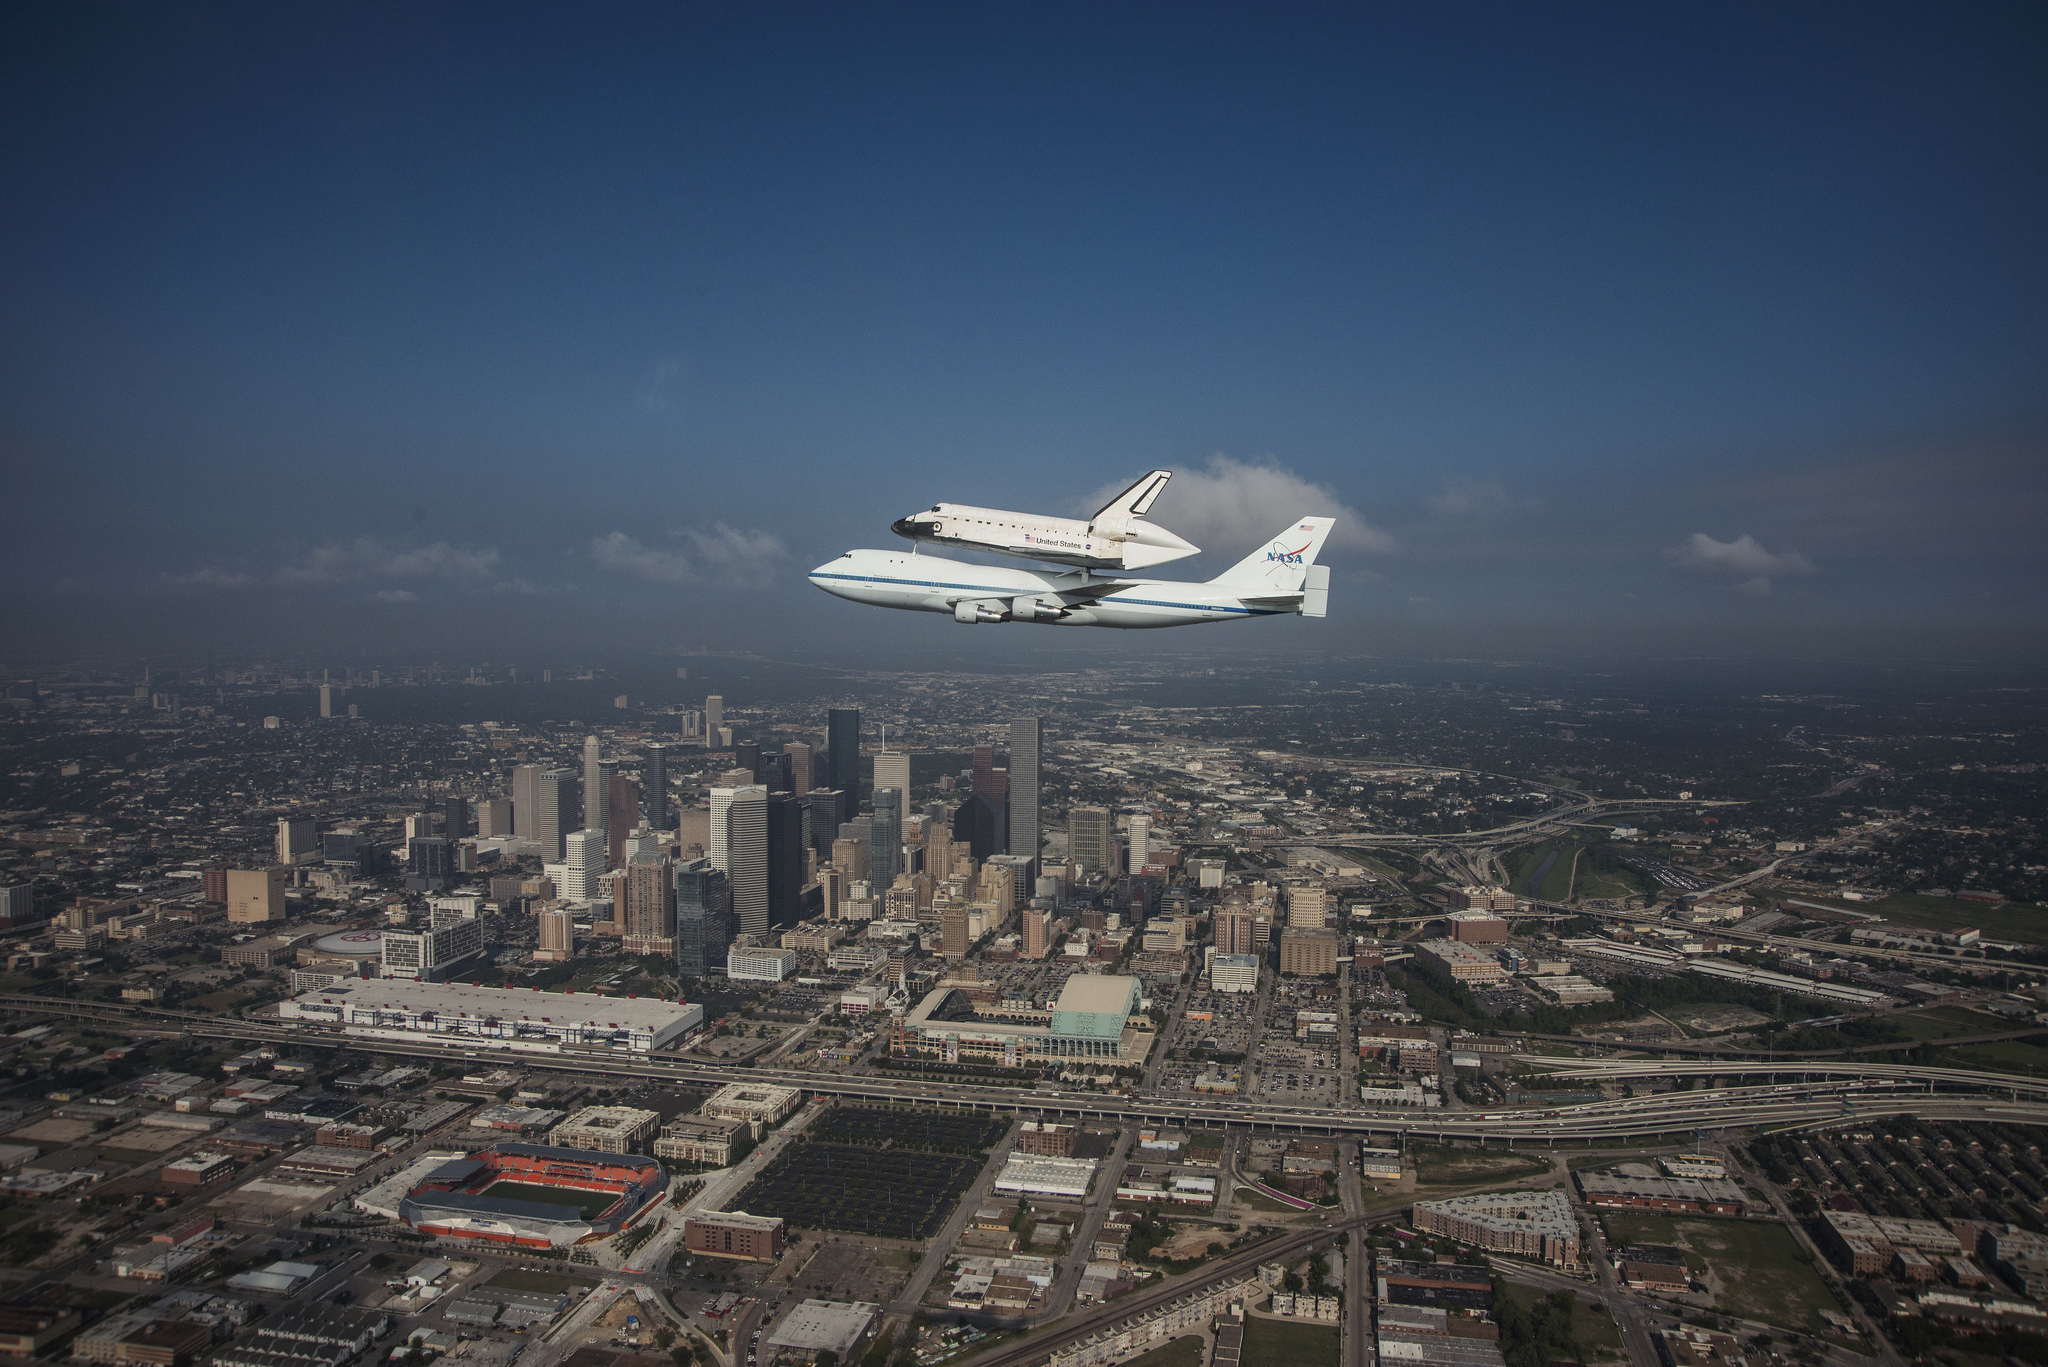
533 1196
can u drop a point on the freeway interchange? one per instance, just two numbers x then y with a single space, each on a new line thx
1780 1094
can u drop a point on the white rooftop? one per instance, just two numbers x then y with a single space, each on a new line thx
506 1003
822 1326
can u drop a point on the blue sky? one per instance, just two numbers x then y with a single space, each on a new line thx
1603 329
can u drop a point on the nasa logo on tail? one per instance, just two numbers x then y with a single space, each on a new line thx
1279 554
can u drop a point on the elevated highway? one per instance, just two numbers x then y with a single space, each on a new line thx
1826 1090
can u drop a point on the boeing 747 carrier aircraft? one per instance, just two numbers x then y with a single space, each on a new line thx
1280 578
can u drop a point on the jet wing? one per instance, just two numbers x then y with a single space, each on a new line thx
1137 499
1088 593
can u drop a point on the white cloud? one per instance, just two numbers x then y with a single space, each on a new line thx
365 560
722 555
1744 559
1234 505
1469 498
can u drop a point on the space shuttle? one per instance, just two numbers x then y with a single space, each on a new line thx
1117 538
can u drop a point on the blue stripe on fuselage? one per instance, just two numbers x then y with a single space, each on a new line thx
1110 601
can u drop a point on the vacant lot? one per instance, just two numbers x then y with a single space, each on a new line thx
539 1283
1592 1327
1439 1165
1185 1352
588 1204
1277 1343
1753 1267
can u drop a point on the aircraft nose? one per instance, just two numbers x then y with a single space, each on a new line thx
907 527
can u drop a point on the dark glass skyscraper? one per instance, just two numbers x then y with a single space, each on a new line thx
842 744
885 839
654 789
1027 738
785 859
703 919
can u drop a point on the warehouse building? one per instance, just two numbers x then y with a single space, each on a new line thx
1695 1195
541 1022
1459 962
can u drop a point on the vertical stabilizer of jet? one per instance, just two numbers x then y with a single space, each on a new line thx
1282 564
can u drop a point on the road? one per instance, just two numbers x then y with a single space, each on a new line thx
1108 1177
1966 1095
1629 1318
934 1257
1360 1349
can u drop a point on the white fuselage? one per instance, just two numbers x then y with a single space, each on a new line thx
931 583
1108 542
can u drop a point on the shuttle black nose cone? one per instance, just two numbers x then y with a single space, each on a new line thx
906 526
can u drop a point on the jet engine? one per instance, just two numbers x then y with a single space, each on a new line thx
967 610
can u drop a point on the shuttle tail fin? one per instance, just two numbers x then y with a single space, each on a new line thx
1280 566
1137 500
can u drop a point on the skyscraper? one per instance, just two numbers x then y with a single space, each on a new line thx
650 909
584 860
842 745
455 817
824 806
703 918
543 805
892 770
1037 932
802 771
327 700
1027 741
785 859
596 792
746 852
557 935
714 717
719 849
654 791
885 840
1091 839
978 823
622 807
1141 842
494 816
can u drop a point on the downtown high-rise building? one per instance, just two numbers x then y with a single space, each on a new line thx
802 768
714 718
980 823
494 817
596 791
1140 842
455 817
885 838
1027 754
746 856
703 918
557 935
842 747
544 807
622 810
654 788
650 926
1091 839
1236 926
718 851
583 860
892 770
1037 932
785 859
